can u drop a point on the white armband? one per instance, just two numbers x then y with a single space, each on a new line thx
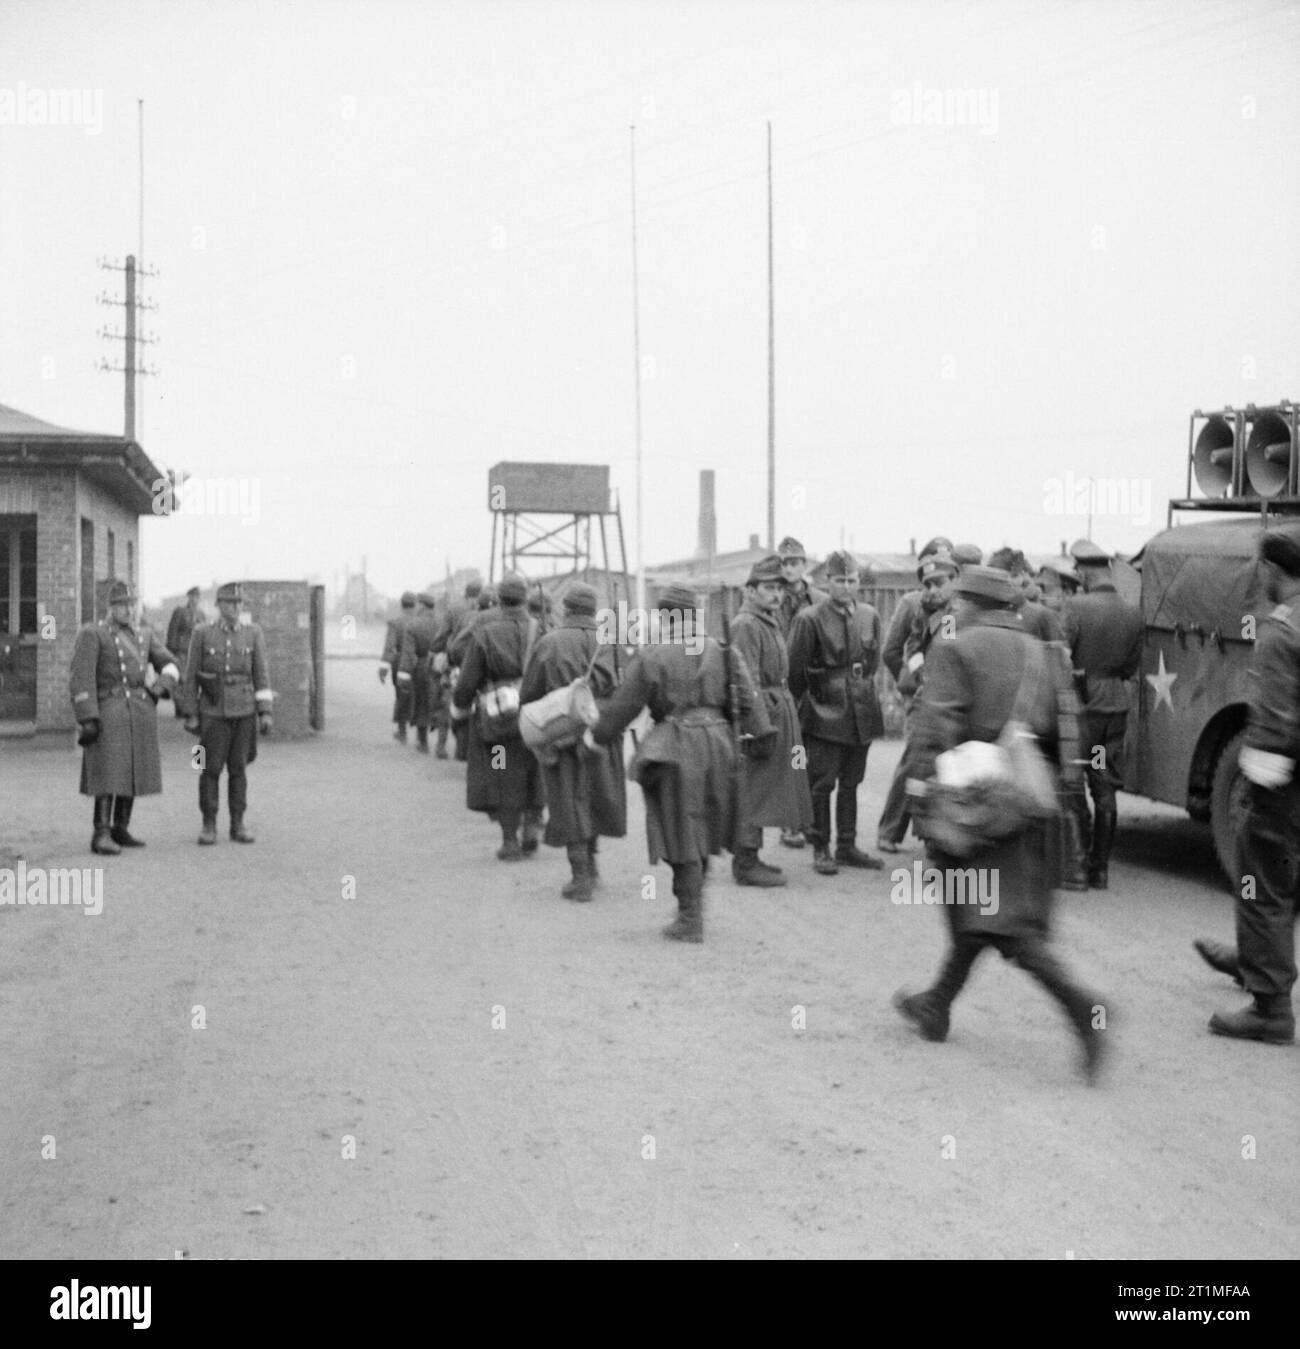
1265 769
264 696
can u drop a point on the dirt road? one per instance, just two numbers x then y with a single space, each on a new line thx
409 1049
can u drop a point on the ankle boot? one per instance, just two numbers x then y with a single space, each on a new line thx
580 887
400 733
102 839
422 739
688 886
510 851
121 819
848 855
820 834
532 834
746 869
1268 1019
208 834
237 831
440 752
1103 838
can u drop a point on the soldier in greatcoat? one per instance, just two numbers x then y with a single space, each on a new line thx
416 669
454 642
115 710
586 795
834 652
1268 892
391 662
1104 634
774 775
228 698
972 684
686 765
503 779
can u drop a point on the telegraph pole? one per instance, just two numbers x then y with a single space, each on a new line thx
131 366
771 364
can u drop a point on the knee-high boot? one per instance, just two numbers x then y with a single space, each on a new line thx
121 820
102 839
1103 839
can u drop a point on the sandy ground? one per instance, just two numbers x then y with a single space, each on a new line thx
521 1076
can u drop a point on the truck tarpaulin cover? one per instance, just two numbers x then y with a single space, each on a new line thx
1205 574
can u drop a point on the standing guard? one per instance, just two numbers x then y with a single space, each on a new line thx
1104 634
586 795
834 651
1268 891
686 765
116 712
228 698
773 787
391 661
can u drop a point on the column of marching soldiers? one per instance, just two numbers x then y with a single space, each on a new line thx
770 730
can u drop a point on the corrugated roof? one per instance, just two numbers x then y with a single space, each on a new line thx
23 426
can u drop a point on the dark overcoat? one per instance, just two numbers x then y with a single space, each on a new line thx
416 660
687 763
510 780
108 682
1104 633
586 792
834 653
774 789
971 683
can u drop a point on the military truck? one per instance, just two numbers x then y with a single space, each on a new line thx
1202 600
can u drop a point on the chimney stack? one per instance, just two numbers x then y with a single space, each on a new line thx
753 542
708 533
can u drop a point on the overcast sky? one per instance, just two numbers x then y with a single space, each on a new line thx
1016 244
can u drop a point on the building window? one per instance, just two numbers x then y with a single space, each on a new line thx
87 570
112 553
18 574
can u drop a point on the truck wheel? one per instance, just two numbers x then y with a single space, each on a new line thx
1228 801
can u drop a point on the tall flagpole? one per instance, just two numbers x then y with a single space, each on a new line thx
139 252
771 364
636 354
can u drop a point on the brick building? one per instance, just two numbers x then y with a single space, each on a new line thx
70 504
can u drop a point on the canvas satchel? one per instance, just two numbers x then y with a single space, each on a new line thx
1012 788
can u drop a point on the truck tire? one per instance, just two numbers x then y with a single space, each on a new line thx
1228 801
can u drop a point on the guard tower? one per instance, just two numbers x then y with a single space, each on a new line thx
544 510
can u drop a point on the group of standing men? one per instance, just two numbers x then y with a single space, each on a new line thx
224 696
